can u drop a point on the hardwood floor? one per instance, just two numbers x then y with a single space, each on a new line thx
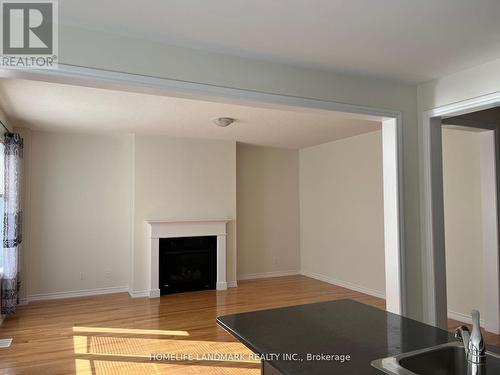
115 334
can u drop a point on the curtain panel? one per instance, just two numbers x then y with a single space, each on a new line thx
12 225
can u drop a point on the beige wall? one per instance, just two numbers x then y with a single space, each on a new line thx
268 210
463 220
182 178
78 209
88 196
4 120
341 211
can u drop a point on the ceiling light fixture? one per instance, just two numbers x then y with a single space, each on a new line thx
223 121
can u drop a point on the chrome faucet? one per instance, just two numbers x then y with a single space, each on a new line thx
475 349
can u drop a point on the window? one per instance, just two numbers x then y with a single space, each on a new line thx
2 166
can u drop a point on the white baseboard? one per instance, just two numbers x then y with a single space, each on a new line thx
264 275
492 329
344 284
138 294
221 285
5 343
77 293
156 293
464 318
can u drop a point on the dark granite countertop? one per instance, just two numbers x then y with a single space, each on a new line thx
339 327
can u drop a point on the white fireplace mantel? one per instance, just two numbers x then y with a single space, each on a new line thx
185 228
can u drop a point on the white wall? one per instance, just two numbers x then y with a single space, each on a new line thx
268 210
480 80
78 212
463 220
342 212
182 178
100 50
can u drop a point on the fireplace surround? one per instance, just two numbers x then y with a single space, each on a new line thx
158 229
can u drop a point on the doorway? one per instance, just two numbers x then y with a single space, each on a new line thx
391 134
483 119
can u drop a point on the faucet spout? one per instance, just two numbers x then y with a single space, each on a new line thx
462 333
477 350
473 341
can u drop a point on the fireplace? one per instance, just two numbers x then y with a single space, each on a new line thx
187 264
164 230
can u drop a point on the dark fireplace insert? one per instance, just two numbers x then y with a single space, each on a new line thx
187 264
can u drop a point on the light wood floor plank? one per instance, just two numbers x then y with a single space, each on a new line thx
115 334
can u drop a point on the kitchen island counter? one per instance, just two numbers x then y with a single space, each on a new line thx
336 337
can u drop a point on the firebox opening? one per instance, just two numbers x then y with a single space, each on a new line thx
187 264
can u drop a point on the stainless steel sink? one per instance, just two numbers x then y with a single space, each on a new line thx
446 359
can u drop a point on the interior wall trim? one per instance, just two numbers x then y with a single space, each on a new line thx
464 318
264 275
344 284
77 293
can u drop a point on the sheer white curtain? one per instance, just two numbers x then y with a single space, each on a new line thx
12 226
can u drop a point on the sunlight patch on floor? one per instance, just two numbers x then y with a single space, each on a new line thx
105 353
82 367
130 331
146 346
80 344
128 368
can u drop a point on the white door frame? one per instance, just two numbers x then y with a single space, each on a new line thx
489 210
392 141
434 262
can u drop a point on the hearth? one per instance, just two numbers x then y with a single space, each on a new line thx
187 264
